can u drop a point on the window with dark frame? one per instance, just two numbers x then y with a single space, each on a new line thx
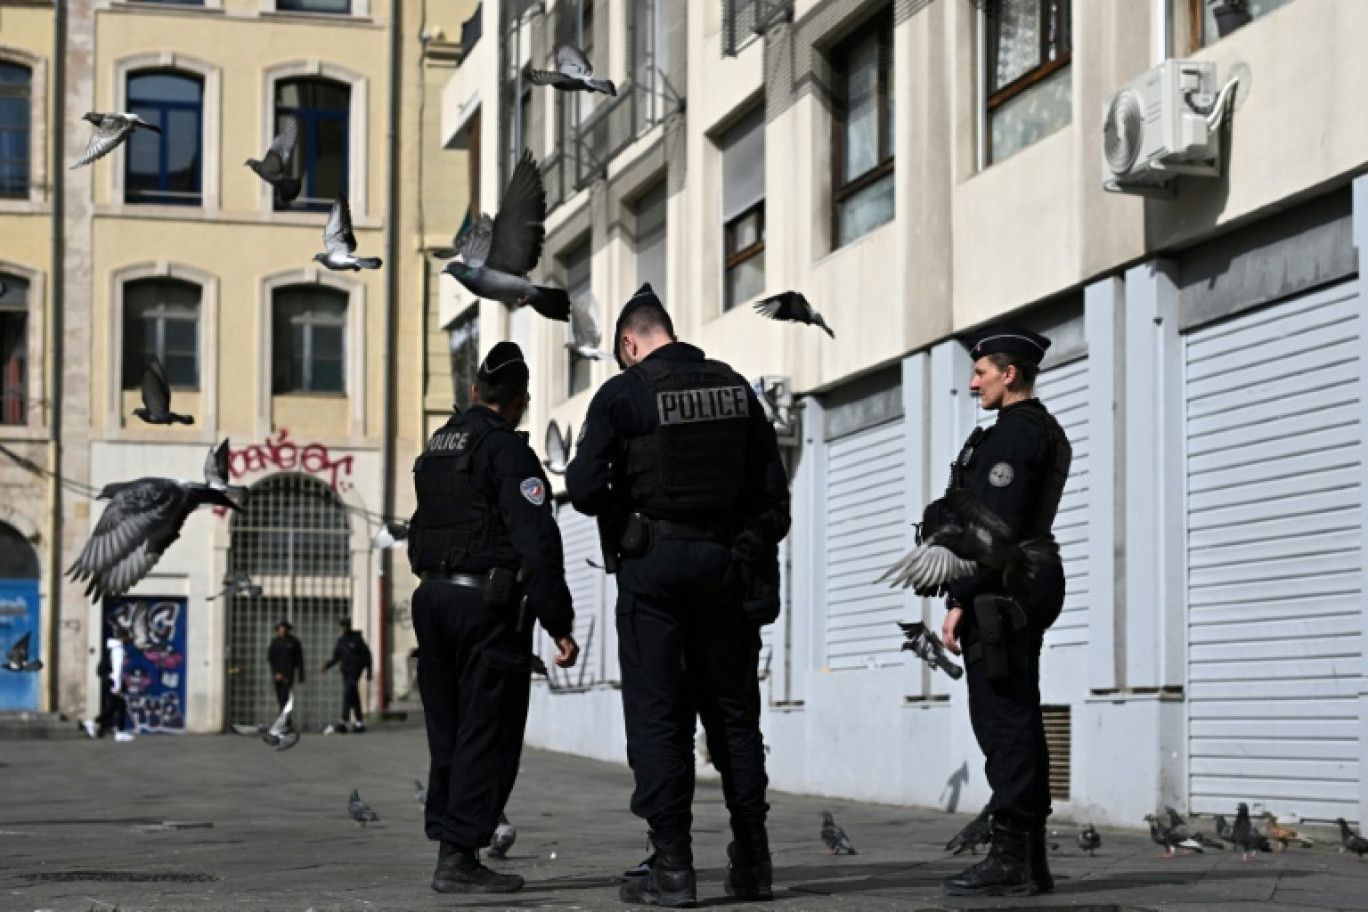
323 156
309 340
342 7
1202 17
161 317
165 168
1030 90
16 100
743 209
862 154
578 281
14 313
464 334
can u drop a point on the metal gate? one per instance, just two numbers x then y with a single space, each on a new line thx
294 540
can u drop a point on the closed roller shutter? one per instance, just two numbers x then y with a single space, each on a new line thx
1064 391
1274 558
579 536
865 533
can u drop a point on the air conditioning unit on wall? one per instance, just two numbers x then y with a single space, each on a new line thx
1165 123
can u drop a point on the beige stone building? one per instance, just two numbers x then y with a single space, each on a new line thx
919 169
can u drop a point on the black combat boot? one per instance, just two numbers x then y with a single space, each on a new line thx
1005 872
460 871
750 873
1040 862
670 881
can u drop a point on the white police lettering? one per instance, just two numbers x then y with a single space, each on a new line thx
717 404
449 440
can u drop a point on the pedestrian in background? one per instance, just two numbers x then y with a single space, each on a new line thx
353 656
286 658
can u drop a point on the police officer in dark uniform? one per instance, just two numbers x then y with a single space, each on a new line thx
1016 469
681 468
488 549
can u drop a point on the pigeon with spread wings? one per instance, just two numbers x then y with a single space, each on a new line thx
279 735
110 132
274 167
573 73
584 329
156 397
340 242
792 307
17 658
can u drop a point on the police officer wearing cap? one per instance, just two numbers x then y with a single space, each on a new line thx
488 549
1016 469
679 464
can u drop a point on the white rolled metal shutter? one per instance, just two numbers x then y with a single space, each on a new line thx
1064 391
865 534
1274 560
579 536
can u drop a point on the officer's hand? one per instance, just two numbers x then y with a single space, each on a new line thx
569 652
280 677
950 629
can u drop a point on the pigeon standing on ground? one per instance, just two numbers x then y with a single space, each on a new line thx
216 471
557 449
792 307
1165 837
1283 835
16 659
359 810
238 583
274 168
573 73
420 793
504 837
279 735
584 328
837 842
976 834
156 397
1243 834
498 253
340 242
1089 840
1349 840
110 131
1181 831
1223 829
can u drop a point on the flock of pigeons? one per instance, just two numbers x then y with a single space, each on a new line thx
1177 834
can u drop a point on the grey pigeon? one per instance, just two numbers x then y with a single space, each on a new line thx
573 73
1226 831
584 329
16 659
1089 840
837 842
499 252
976 834
969 534
792 307
238 583
557 449
274 168
420 792
504 837
143 519
359 810
391 535
110 131
1165 837
156 397
1349 840
280 734
1180 829
1243 835
340 242
217 473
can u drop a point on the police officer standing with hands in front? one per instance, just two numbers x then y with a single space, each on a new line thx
1016 469
679 464
486 544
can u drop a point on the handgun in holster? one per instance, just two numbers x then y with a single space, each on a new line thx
608 543
997 616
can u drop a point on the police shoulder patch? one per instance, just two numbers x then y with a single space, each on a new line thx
1001 475
534 491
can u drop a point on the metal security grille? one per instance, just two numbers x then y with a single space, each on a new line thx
1059 740
294 540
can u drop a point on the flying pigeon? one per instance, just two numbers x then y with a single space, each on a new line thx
557 449
110 131
1350 841
420 793
504 837
970 536
340 243
791 306
929 648
499 252
238 583
142 520
216 471
274 168
17 658
457 241
156 397
976 834
359 810
391 535
573 73
837 842
280 735
585 330
1089 840
1243 835
1181 831
1169 840
1283 835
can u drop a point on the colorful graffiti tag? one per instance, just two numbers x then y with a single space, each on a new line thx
281 454
154 665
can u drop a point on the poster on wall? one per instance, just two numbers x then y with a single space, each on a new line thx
19 618
154 664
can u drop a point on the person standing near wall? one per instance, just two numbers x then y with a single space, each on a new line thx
353 657
285 656
113 702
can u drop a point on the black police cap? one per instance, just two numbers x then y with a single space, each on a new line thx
1010 340
503 364
645 297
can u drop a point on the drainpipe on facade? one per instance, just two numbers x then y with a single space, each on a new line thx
1163 38
56 295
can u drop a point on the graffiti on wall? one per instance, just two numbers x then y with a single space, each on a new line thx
281 454
154 664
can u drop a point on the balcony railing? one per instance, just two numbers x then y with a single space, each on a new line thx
745 20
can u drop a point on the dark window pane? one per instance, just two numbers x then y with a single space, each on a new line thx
323 109
465 354
866 210
165 167
161 318
14 130
746 280
314 6
13 367
310 340
862 108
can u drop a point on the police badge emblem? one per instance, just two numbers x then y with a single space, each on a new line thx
534 491
1001 475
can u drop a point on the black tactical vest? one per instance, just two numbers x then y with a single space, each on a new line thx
1049 488
454 519
694 462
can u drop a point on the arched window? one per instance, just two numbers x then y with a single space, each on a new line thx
167 167
18 559
323 156
14 332
309 340
161 317
16 93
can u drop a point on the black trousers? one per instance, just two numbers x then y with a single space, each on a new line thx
351 696
475 677
687 652
282 689
113 709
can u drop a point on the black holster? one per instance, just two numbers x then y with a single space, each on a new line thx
500 585
997 617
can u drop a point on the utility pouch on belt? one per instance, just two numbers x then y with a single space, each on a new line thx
996 616
636 537
499 586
